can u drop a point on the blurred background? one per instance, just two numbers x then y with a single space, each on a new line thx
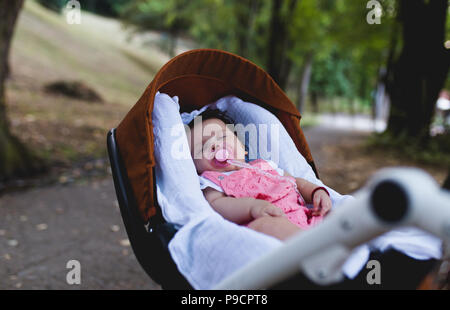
370 79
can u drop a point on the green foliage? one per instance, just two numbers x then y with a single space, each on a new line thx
329 76
353 51
55 5
174 17
309 30
347 52
237 26
102 7
169 15
435 151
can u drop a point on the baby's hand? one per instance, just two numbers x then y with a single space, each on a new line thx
265 208
322 203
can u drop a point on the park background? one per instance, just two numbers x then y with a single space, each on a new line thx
370 79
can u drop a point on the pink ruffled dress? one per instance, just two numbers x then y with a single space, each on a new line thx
259 184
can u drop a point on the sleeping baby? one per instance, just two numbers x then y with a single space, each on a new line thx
257 194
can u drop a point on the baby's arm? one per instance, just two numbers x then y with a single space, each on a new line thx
239 210
322 201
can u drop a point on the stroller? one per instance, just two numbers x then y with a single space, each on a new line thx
199 77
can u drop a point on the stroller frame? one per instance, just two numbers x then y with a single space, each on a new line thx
155 234
393 197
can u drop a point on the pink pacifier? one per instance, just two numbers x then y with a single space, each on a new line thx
222 155
221 158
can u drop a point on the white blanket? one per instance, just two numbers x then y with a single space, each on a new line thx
207 248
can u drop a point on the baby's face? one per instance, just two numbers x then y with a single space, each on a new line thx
211 142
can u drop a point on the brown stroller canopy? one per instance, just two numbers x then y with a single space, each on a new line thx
198 77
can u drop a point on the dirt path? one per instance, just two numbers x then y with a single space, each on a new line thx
345 164
43 228
327 145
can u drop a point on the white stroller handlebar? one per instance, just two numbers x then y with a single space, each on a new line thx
393 197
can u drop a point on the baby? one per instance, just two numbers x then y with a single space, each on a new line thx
251 193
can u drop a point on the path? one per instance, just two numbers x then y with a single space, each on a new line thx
42 229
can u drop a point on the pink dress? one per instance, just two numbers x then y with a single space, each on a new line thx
280 191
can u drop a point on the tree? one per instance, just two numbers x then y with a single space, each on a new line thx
419 72
362 45
237 26
446 184
15 160
102 7
171 16
245 12
280 41
310 35
55 5
216 25
330 76
336 51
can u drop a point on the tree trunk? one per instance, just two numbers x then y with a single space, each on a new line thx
278 63
245 12
446 184
14 158
334 105
314 102
173 38
305 77
421 69
352 106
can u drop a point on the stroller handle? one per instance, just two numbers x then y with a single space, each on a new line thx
393 197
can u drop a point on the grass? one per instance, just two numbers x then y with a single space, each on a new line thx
67 51
46 49
435 152
308 120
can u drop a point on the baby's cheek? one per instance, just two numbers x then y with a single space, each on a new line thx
239 149
201 165
240 153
